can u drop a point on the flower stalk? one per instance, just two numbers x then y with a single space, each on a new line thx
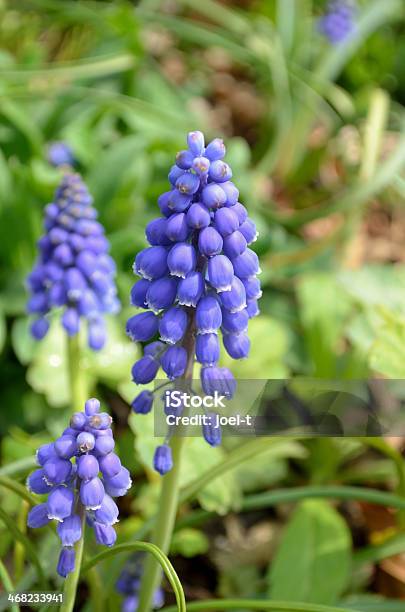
169 495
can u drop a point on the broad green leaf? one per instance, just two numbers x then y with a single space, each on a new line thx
376 286
387 355
312 563
323 316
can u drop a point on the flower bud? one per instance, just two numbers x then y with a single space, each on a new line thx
220 273
215 150
143 402
241 211
174 362
45 452
39 328
92 406
103 445
162 460
57 470
178 202
60 503
87 467
65 447
207 349
143 326
226 221
198 216
252 288
235 299
211 431
36 483
161 294
85 442
209 242
66 562
105 534
213 196
246 265
248 229
156 232
234 244
188 183
237 345
70 530
38 516
190 289
184 159
252 308
71 321
208 315
151 262
177 228
201 165
181 259
138 293
235 322
118 485
174 174
97 334
195 141
91 493
107 514
231 192
173 325
144 370
217 379
219 171
110 465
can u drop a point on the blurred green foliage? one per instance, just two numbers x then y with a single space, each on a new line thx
315 136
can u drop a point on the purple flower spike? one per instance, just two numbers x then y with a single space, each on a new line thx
73 269
201 285
75 490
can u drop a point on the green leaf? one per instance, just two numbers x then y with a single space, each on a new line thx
323 317
312 563
387 354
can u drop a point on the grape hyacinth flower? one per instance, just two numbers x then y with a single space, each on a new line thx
339 21
74 270
198 278
129 582
80 474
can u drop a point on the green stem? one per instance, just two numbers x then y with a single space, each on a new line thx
77 379
256 604
78 397
71 582
7 584
169 498
19 550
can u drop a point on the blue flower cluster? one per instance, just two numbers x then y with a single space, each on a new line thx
74 488
74 269
339 20
129 582
198 276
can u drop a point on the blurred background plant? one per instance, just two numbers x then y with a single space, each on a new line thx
315 131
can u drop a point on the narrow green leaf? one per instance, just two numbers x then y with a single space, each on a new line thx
257 604
159 556
29 547
317 544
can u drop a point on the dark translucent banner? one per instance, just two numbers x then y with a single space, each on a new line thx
300 406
